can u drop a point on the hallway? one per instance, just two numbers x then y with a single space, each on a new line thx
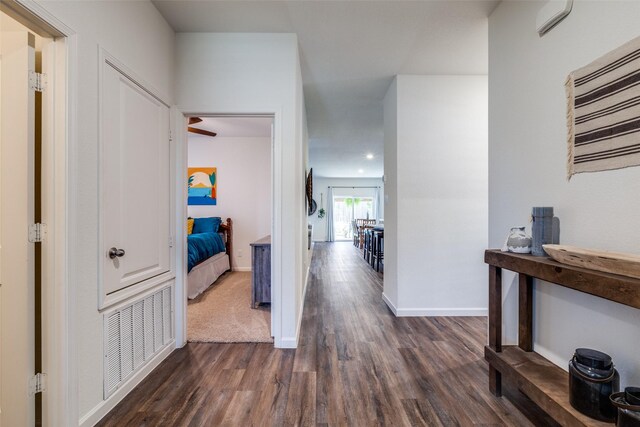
356 364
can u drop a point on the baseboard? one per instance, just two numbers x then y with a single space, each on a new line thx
304 297
440 312
387 301
103 408
433 312
241 269
306 283
288 342
292 342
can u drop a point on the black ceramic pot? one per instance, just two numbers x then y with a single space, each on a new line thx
592 379
628 406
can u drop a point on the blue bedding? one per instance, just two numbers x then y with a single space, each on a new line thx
203 246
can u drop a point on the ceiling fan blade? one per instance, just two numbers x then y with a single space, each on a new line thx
194 120
201 131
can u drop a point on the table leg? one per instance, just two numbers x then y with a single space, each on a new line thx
495 381
495 325
374 249
525 312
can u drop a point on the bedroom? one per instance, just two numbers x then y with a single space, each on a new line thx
229 191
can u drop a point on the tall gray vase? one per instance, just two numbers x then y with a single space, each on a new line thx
541 230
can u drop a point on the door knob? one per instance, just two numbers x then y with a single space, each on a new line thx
115 252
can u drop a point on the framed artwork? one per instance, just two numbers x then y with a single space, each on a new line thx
202 184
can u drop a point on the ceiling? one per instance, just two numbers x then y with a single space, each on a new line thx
234 127
350 51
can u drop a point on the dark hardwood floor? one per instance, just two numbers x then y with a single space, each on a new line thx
356 365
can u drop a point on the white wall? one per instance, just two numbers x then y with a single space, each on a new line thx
136 34
260 73
390 284
244 188
440 182
303 258
527 164
321 185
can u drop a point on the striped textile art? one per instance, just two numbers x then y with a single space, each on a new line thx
603 112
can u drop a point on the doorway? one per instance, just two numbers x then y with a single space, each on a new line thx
18 266
349 204
234 154
348 208
32 214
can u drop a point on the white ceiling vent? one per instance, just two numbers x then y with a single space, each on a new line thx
133 334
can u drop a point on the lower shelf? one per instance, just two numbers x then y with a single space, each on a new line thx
543 382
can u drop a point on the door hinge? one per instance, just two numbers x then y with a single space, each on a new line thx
37 232
170 136
170 241
37 81
38 383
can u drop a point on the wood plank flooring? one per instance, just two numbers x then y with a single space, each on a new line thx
356 365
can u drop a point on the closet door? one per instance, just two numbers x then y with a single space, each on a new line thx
134 139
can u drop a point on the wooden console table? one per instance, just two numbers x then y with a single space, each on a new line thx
542 381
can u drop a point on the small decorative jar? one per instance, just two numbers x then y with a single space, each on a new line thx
518 241
592 379
628 404
541 229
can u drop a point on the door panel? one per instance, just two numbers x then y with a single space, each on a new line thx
135 175
345 210
16 214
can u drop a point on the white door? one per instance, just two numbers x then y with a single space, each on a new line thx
134 129
17 269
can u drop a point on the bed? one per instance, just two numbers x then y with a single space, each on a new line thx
209 255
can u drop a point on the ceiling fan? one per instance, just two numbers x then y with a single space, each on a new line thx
193 121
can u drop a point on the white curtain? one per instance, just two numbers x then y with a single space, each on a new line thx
330 214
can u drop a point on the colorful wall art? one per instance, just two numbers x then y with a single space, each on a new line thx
202 184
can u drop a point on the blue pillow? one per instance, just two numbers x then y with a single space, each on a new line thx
206 225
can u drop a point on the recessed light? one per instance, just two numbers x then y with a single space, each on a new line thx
369 156
360 171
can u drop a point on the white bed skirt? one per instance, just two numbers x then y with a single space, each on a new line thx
204 274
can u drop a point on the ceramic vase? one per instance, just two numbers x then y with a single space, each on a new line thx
518 241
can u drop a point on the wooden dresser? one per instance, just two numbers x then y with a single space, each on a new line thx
261 271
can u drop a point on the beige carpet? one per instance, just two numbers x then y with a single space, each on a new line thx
223 313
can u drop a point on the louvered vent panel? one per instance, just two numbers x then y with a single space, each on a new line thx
166 316
157 320
126 340
148 332
138 334
134 334
112 358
